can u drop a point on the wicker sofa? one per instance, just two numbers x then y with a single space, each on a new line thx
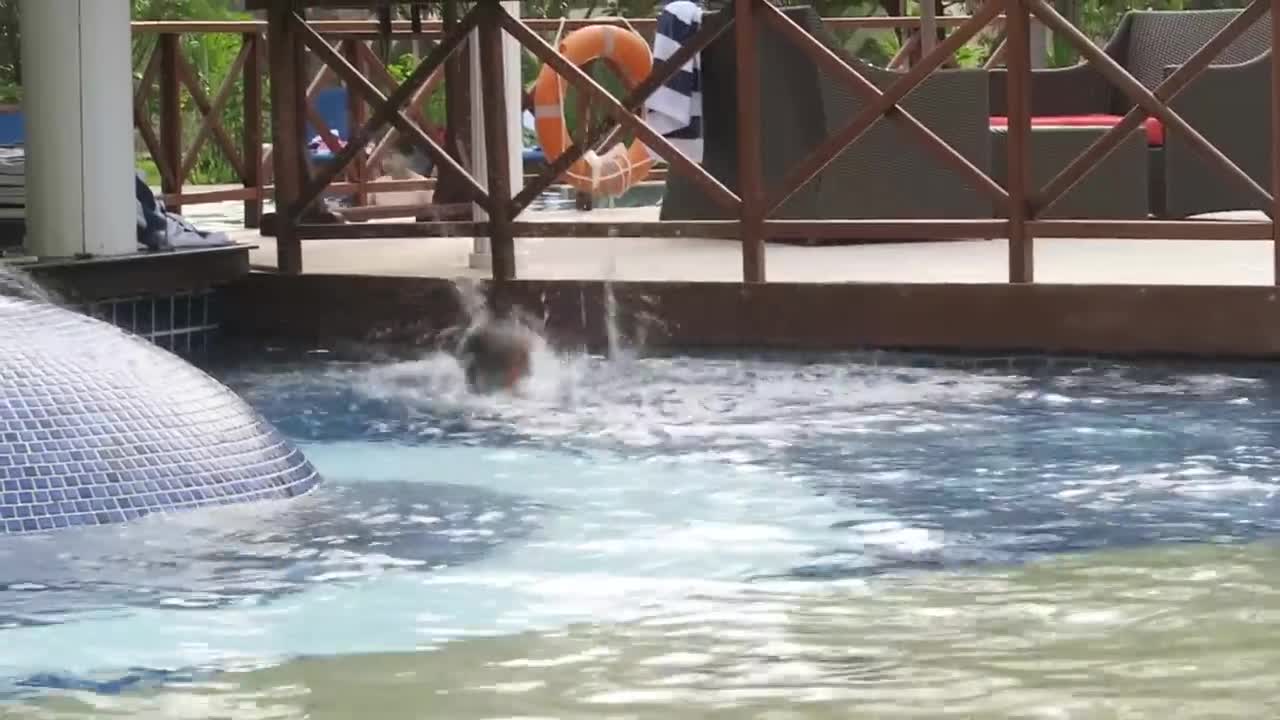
886 173
1228 104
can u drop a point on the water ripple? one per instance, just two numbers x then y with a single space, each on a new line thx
1010 464
708 537
1187 632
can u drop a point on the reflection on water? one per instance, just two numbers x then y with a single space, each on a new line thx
705 538
248 555
1189 631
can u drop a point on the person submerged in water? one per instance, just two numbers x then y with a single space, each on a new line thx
496 355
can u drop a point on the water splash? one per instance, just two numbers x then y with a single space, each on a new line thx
15 283
615 339
474 304
436 380
612 334
439 374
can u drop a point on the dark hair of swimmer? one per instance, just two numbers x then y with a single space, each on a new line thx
495 356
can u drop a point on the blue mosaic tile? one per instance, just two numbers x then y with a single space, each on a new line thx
99 426
185 324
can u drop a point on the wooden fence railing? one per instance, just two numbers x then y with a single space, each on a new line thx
1019 203
167 75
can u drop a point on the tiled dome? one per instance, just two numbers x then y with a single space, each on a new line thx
98 426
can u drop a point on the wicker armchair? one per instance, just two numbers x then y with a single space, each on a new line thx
886 173
1228 104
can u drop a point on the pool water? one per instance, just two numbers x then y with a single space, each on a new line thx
780 537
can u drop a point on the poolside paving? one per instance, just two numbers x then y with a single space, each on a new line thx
1059 260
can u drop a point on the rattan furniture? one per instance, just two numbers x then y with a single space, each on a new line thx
886 173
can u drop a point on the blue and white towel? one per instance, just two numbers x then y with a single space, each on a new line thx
675 110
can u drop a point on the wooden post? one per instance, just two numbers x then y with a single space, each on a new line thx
928 26
253 130
1039 44
751 219
457 101
171 117
288 99
358 172
1018 61
493 86
1275 136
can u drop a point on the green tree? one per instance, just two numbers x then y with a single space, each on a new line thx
211 56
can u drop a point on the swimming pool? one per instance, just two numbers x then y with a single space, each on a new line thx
865 536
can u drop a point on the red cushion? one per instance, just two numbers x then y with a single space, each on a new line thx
1154 128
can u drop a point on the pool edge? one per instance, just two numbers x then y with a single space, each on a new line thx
1236 322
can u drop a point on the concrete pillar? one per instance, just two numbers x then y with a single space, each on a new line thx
78 102
481 258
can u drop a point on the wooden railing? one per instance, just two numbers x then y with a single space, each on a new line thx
1020 203
167 75
248 156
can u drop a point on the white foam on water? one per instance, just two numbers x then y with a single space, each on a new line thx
714 406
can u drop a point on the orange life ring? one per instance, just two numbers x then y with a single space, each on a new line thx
619 168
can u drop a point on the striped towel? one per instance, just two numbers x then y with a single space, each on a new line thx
675 110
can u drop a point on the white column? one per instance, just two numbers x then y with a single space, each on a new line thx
481 258
78 103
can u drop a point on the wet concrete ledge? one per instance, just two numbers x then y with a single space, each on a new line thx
1118 320
153 274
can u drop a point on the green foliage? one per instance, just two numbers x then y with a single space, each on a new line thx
972 55
150 171
433 107
211 56
10 54
183 10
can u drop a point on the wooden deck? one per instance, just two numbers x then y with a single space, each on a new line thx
655 259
